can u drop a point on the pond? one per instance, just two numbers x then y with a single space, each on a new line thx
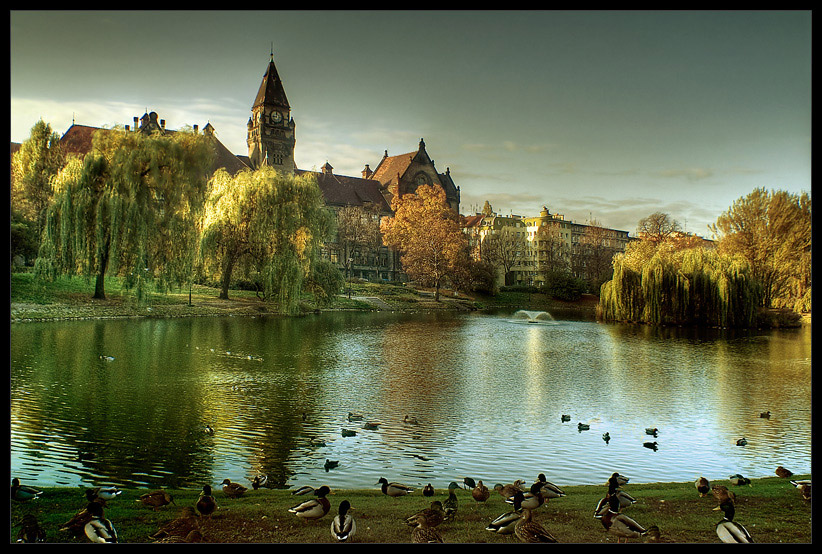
127 402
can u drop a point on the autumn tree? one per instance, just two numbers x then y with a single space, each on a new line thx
129 208
427 233
34 165
271 225
596 254
657 227
358 231
487 209
772 230
505 248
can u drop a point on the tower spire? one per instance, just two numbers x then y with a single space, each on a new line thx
272 50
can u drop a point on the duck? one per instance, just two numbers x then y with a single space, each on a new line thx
583 426
549 490
410 420
330 464
509 490
30 530
804 486
528 530
652 445
343 526
738 480
371 426
703 486
617 501
208 430
451 503
23 493
394 489
315 508
349 433
565 418
606 436
434 515
653 534
259 481
533 499
765 415
653 431
468 483
615 481
505 523
233 490
156 499
722 494
428 490
99 529
355 417
193 536
77 524
728 530
107 493
205 503
480 493
305 489
180 526
782 472
422 533
622 526
91 496
742 442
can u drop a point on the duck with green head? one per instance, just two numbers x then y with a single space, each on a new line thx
23 493
343 526
451 503
394 490
313 509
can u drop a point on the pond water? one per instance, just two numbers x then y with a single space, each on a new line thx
126 402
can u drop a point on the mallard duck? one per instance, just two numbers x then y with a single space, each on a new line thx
468 483
410 420
330 464
622 526
428 490
371 426
804 486
528 530
615 481
91 496
480 493
422 533
738 480
549 490
782 472
315 508
653 534
349 433
583 426
30 530
305 489
205 503
703 486
181 526
728 530
208 430
233 490
509 490
343 526
156 499
394 489
532 499
565 417
652 445
504 524
77 524
722 494
434 515
616 501
193 536
107 493
99 529
652 431
606 436
355 417
742 442
765 415
451 503
23 493
259 481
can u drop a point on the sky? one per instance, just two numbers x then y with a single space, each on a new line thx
596 115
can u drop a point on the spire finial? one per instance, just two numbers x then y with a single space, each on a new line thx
272 50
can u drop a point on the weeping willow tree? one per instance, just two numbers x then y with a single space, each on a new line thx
665 286
129 208
271 225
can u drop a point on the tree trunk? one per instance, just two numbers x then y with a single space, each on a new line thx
100 283
228 267
437 291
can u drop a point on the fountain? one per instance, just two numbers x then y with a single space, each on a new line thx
531 316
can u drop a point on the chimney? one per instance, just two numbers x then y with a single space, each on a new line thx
367 173
127 128
163 124
195 129
136 125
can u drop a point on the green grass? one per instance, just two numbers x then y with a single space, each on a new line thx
771 509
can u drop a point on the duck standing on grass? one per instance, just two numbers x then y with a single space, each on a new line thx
505 524
428 490
728 530
156 499
624 500
313 509
181 526
99 529
621 525
508 491
23 493
422 533
549 490
782 472
451 503
30 530
205 503
480 493
343 525
703 486
393 489
106 493
259 481
528 530
434 515
722 494
233 490
803 486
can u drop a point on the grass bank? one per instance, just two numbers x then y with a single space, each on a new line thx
771 509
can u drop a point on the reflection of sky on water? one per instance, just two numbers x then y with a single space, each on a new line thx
488 391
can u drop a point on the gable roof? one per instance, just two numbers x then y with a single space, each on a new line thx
342 190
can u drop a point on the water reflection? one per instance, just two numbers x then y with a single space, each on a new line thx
126 402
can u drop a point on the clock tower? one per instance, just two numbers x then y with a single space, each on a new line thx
271 136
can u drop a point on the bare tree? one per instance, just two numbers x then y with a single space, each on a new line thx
505 248
657 227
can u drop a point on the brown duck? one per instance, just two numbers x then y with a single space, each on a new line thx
156 499
233 490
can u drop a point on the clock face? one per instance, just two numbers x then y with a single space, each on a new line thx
276 117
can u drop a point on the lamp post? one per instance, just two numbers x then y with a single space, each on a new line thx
348 266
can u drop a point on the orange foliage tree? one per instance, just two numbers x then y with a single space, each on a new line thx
427 233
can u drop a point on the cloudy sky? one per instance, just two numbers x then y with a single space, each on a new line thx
596 115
